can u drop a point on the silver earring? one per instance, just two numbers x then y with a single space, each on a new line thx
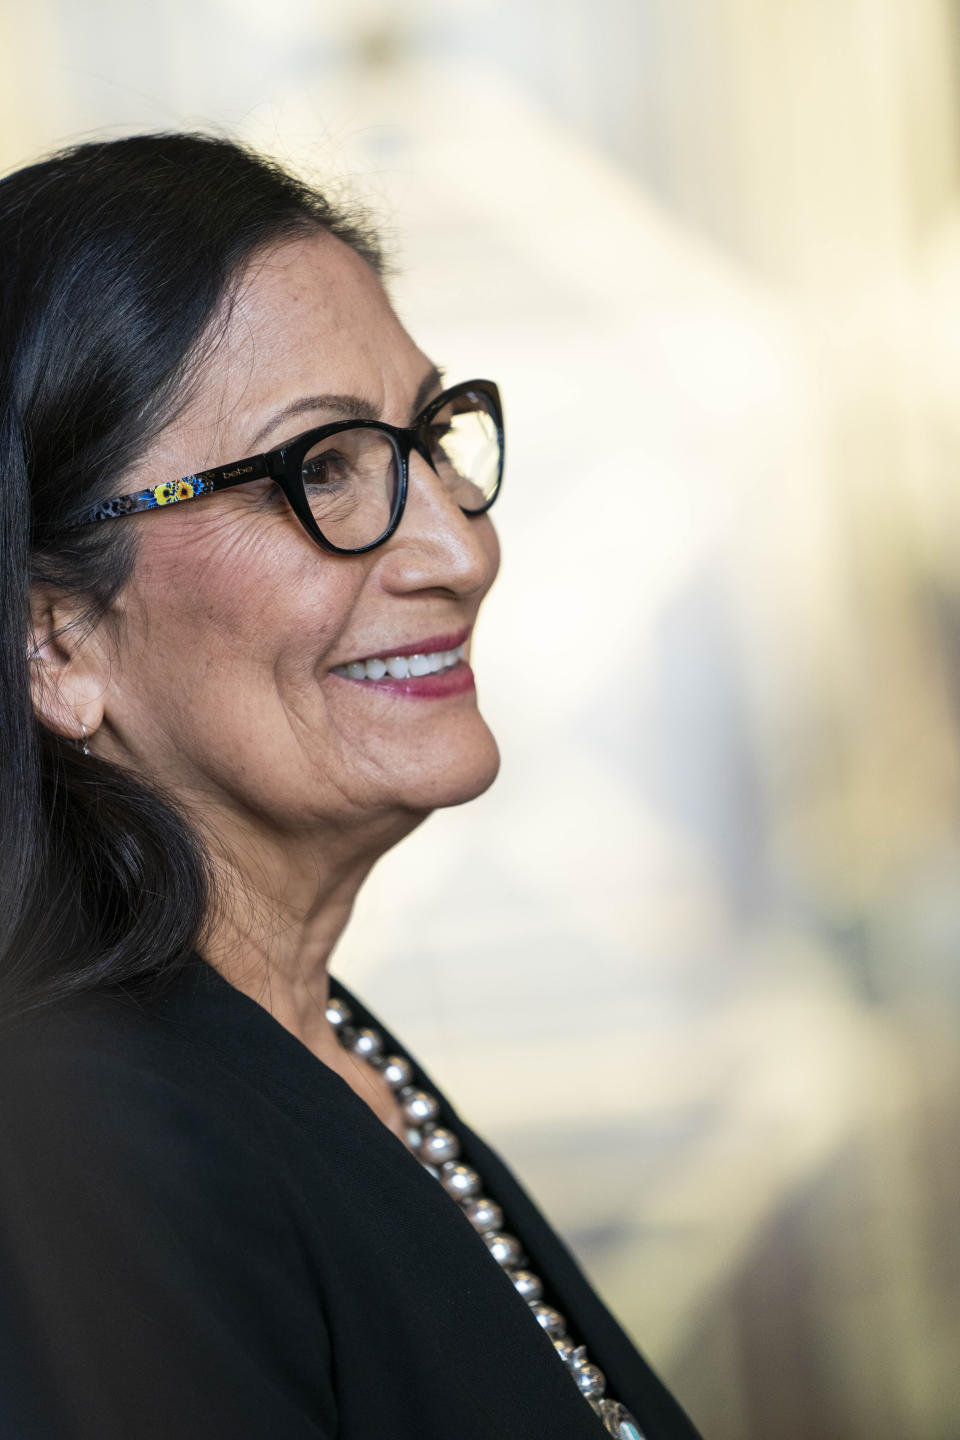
86 749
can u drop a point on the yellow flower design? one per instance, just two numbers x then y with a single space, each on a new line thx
185 490
163 494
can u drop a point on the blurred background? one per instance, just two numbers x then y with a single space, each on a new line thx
692 963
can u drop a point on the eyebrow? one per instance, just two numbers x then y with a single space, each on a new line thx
348 407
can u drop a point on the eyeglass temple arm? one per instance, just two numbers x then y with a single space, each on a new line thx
175 492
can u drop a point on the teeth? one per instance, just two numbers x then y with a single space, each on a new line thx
401 667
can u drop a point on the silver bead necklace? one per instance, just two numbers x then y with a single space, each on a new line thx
438 1150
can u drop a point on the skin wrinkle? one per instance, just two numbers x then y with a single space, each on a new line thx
342 407
214 674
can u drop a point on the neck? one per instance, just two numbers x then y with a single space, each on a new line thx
282 905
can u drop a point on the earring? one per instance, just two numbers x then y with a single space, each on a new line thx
86 749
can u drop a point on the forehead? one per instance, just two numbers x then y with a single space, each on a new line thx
308 316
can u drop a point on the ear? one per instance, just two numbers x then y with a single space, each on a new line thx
68 674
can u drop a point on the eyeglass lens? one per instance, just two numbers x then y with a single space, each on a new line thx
351 478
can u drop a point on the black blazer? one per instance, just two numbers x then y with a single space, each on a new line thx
205 1234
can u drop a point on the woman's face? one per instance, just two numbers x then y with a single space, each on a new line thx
222 680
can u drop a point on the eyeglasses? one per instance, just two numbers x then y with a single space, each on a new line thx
347 482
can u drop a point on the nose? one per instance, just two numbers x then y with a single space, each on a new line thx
437 546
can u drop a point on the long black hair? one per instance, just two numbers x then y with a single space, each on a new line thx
115 260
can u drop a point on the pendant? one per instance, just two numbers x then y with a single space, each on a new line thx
618 1420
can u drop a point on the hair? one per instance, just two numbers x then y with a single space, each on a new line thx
116 260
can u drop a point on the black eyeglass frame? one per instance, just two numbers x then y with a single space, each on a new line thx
284 465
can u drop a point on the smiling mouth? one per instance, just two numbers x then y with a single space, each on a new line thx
401 667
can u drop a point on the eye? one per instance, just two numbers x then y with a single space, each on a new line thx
326 467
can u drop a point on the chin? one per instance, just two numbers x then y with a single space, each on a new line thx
463 777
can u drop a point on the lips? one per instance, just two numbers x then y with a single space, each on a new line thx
431 668
432 645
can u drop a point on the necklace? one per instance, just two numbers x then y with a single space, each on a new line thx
438 1150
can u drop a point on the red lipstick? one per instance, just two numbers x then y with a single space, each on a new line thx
456 680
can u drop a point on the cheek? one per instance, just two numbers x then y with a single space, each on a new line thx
232 608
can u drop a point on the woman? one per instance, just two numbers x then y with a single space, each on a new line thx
230 1205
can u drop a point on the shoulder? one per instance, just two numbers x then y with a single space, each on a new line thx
146 1229
100 1078
127 1151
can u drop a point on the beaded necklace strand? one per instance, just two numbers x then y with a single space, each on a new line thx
438 1150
